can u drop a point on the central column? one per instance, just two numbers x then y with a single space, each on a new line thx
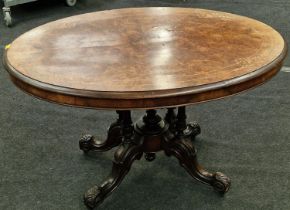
152 129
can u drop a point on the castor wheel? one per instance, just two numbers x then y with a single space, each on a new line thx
86 142
221 183
150 156
70 3
7 16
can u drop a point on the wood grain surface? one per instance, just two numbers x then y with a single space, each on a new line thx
144 57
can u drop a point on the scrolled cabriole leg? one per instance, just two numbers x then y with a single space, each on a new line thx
114 138
185 152
128 151
183 149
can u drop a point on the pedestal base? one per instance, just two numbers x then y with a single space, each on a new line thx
150 135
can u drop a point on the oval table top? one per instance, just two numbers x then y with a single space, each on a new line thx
144 57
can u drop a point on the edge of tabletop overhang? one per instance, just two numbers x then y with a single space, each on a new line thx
135 95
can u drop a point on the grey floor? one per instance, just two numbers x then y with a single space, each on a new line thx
246 136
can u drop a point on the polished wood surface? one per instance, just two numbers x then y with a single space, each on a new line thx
144 57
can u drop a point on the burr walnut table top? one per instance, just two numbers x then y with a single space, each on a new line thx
144 57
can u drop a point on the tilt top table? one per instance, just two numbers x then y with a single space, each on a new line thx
145 58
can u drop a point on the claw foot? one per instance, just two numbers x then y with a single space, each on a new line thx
221 183
86 142
92 197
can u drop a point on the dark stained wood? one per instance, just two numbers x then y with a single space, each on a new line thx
169 101
129 150
152 133
114 138
144 57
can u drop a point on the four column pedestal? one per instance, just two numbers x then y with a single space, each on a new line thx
151 134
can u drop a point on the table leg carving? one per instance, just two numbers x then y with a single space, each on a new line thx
185 152
114 138
183 149
124 157
129 151
151 134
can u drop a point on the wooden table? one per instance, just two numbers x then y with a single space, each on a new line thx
145 58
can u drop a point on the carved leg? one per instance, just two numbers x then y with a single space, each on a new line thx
114 138
185 152
129 150
183 149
